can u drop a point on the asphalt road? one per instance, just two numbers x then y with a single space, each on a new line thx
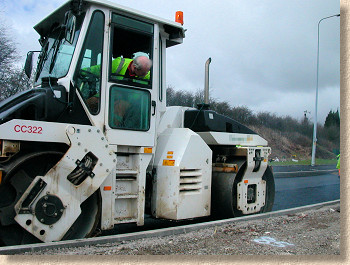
299 191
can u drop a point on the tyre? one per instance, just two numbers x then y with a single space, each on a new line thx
270 190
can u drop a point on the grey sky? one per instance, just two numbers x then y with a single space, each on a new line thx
263 51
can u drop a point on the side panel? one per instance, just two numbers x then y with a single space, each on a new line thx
38 131
172 118
182 185
223 138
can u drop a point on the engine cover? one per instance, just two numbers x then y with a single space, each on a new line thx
182 185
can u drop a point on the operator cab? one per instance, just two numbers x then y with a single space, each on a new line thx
85 44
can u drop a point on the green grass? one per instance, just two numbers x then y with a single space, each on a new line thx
305 162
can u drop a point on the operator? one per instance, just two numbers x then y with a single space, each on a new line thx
139 67
136 70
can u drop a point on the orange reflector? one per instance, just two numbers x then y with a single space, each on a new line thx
179 17
169 156
148 150
0 177
107 188
168 162
245 181
170 152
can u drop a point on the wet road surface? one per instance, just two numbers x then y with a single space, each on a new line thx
299 191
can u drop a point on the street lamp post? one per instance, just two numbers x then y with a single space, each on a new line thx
314 140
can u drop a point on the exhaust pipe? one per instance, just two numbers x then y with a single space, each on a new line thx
206 82
205 105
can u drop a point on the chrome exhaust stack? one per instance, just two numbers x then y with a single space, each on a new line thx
206 82
205 105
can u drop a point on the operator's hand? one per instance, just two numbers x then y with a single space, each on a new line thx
120 109
93 104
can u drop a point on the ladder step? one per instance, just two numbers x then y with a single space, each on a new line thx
126 196
130 175
121 220
126 178
127 172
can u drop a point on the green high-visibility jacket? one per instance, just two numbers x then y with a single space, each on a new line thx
338 163
119 67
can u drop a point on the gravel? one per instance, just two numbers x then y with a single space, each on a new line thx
312 232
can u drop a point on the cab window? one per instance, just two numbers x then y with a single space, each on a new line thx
129 108
88 73
130 38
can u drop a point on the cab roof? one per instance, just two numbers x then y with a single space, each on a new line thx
174 29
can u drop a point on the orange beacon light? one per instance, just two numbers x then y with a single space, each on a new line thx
179 17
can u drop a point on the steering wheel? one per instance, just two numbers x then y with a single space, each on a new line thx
88 84
87 76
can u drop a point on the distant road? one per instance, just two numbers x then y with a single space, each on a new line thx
299 170
305 190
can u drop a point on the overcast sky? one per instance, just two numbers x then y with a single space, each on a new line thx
263 52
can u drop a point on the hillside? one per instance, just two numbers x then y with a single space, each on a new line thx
291 145
288 137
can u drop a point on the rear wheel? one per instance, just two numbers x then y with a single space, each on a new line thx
19 174
270 190
224 193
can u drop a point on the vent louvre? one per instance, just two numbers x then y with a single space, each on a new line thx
190 180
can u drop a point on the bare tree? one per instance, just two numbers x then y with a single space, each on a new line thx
179 98
12 78
15 81
8 52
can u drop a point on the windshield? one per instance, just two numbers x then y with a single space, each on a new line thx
56 53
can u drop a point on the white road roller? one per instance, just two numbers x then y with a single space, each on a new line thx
69 167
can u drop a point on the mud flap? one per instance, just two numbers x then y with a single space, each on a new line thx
251 189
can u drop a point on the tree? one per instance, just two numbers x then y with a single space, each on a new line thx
332 127
332 119
12 78
180 98
8 52
15 81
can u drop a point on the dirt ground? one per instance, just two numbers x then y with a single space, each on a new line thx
313 232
